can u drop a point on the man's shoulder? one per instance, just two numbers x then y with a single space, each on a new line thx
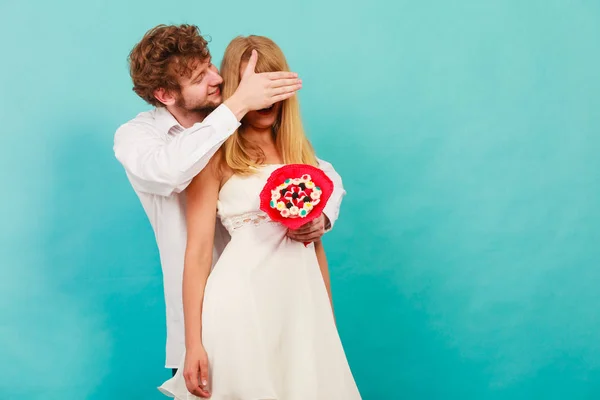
143 122
143 118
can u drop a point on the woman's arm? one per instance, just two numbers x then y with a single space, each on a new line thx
314 230
201 213
322 258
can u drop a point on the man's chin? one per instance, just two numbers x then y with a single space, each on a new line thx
214 104
207 108
217 102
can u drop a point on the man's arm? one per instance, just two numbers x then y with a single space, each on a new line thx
162 167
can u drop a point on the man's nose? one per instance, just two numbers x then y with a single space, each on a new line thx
216 79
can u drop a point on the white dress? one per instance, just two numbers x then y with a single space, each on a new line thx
267 323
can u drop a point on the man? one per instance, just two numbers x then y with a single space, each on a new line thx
163 149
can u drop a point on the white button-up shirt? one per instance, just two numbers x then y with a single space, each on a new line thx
161 158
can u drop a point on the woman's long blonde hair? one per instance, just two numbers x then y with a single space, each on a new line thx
290 139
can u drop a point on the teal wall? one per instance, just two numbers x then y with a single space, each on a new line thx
466 262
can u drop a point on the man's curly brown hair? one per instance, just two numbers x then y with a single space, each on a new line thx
164 53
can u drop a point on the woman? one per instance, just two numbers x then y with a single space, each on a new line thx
260 325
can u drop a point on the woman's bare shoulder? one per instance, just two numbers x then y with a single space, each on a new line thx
218 166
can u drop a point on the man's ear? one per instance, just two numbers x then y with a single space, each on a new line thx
164 96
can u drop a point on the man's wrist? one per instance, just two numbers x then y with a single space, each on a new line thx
236 106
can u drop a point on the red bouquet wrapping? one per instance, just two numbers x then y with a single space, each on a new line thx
295 194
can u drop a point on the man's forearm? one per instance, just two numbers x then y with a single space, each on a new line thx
161 167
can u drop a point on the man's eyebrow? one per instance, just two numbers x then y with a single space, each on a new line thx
203 70
195 77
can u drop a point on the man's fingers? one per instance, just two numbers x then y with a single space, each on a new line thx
284 93
287 89
282 97
285 82
251 64
280 75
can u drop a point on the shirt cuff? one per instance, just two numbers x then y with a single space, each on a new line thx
222 120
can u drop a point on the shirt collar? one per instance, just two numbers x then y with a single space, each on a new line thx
166 122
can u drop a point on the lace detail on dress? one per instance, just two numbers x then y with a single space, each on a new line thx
238 221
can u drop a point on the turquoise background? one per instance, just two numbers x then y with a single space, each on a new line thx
466 263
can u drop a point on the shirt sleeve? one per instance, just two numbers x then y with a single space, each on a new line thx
158 166
332 209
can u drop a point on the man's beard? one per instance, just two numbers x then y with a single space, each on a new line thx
204 108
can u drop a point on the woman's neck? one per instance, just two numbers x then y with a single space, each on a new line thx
259 137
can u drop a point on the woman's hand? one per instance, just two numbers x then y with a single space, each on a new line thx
311 231
195 372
